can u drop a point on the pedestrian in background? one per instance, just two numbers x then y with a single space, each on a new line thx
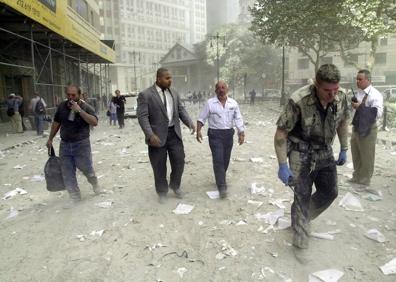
14 103
73 118
112 108
119 101
222 114
159 113
38 108
368 108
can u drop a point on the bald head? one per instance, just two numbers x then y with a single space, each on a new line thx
221 89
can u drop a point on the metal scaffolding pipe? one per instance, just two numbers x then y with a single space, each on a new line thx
33 63
13 65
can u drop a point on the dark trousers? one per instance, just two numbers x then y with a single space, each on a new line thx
39 121
308 206
221 142
158 157
76 155
120 118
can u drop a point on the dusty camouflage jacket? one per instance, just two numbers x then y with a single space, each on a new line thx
303 118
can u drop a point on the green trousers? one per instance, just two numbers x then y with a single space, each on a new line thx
363 155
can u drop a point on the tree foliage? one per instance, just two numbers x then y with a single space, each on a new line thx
319 27
242 54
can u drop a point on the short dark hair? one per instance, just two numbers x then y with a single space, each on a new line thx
328 73
161 71
75 86
366 73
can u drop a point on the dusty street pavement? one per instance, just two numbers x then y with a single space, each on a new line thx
43 239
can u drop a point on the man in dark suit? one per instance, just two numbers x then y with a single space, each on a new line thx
159 113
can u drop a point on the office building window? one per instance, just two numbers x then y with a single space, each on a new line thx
303 64
352 58
380 58
326 60
383 41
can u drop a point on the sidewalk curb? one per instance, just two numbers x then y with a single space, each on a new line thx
30 141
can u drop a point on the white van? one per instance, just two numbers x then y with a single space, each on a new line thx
130 105
390 94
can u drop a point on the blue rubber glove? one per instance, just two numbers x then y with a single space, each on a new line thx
284 173
342 157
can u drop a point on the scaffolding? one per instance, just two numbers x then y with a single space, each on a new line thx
35 59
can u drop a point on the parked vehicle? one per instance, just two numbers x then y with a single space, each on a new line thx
130 105
390 94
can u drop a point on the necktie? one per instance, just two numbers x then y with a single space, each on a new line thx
164 95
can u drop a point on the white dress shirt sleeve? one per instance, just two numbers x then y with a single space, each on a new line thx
238 120
378 102
204 114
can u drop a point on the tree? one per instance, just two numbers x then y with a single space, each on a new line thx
373 19
319 27
243 55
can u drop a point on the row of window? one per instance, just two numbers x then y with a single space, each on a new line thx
302 64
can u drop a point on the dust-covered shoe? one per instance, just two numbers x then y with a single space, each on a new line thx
178 193
97 190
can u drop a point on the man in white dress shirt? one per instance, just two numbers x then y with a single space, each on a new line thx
222 114
363 145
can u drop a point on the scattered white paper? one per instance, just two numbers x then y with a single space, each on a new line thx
375 235
269 228
271 217
257 160
225 251
97 233
80 237
351 203
37 178
104 205
13 213
256 203
328 275
283 223
19 166
241 222
325 236
183 209
181 271
255 189
389 268
279 203
213 194
13 193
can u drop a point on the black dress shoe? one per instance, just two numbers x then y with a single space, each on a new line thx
162 199
223 194
178 193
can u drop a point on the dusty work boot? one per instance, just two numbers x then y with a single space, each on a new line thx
300 241
97 190
178 193
162 198
75 196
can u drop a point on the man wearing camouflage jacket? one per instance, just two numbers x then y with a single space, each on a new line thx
305 132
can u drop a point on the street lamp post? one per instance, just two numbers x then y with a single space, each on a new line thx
134 54
283 96
217 37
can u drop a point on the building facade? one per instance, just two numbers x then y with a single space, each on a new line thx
46 45
383 72
221 12
244 13
144 31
